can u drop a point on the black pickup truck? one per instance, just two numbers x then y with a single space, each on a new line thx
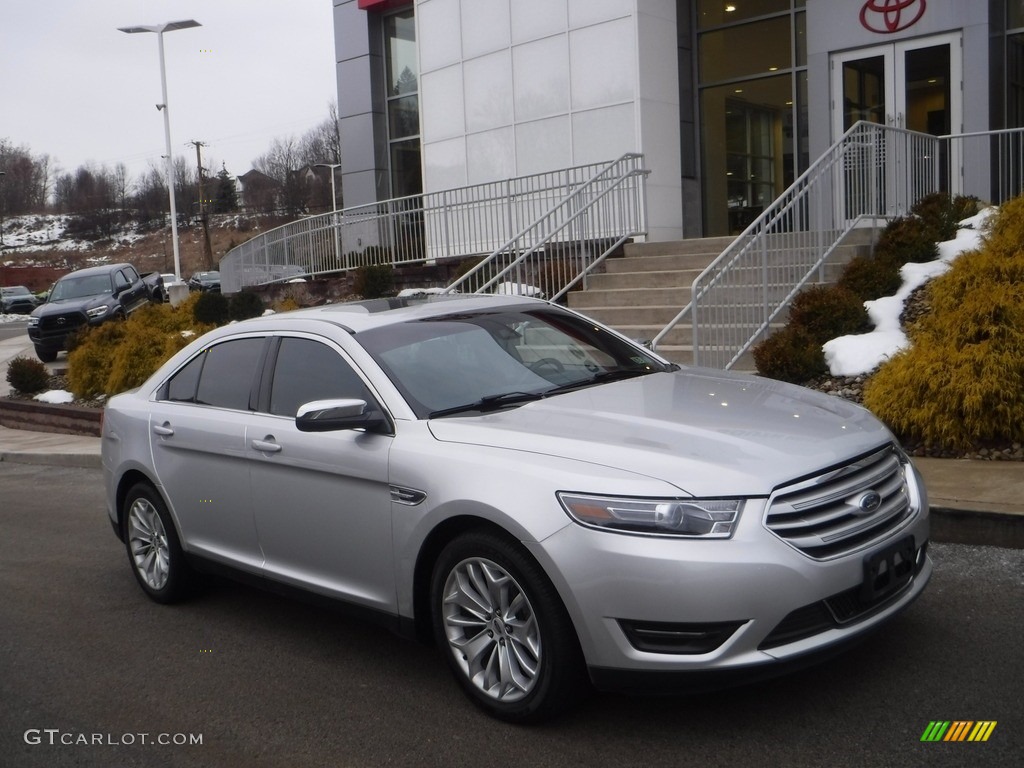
89 297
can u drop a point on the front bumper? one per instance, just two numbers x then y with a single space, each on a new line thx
747 607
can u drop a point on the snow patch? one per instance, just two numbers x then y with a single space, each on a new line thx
859 354
55 396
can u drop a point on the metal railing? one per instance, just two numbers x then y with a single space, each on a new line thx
460 223
874 172
569 239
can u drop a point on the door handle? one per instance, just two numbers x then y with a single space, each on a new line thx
164 430
266 446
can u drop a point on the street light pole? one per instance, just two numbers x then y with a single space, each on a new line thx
3 204
169 26
334 213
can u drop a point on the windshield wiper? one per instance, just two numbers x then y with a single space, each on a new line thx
618 374
490 402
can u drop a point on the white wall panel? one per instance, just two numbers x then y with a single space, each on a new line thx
485 27
438 34
602 64
534 19
603 134
488 91
541 78
442 107
585 12
444 165
544 145
490 155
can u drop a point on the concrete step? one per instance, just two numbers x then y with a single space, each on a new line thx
660 263
642 280
702 245
630 297
617 317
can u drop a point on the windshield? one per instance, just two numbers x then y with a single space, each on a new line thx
16 290
80 287
476 361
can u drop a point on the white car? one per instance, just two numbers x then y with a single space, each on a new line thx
548 501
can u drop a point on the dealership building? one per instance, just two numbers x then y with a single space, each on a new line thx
728 101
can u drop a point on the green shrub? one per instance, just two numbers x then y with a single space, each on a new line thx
941 214
374 281
244 305
871 276
827 311
791 354
27 375
962 381
906 239
211 308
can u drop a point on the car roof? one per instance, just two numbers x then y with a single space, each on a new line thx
358 316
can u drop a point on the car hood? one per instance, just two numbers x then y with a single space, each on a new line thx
706 432
71 305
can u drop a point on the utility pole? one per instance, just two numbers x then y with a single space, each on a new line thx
207 249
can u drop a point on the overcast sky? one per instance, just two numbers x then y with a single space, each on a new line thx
73 87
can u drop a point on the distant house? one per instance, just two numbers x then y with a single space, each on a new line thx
314 181
260 192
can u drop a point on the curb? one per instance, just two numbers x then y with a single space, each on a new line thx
79 460
990 529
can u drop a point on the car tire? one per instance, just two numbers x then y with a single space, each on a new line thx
154 550
46 354
490 597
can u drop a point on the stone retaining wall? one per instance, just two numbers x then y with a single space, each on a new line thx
46 417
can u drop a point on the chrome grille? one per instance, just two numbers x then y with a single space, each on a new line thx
843 509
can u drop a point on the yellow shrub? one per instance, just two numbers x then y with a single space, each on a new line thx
962 381
117 356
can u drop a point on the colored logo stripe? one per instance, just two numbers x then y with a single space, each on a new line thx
958 730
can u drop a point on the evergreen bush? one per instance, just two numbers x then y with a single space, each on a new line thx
871 276
962 381
27 375
113 357
907 239
374 281
212 308
828 311
790 354
243 305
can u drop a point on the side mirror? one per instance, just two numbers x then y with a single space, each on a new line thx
334 415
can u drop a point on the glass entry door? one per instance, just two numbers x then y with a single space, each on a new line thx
912 85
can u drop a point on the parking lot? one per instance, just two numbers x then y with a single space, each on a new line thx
94 674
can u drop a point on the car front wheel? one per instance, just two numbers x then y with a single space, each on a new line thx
154 551
46 354
504 630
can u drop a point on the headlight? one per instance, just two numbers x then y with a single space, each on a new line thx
706 518
99 311
33 321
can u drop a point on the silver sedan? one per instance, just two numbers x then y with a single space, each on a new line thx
552 504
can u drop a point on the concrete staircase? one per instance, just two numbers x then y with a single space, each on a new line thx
639 293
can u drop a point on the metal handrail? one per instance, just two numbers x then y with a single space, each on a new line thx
874 172
562 246
458 223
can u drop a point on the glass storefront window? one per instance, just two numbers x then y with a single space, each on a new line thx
750 49
749 147
402 104
712 13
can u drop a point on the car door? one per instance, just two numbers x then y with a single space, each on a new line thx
321 500
133 290
197 434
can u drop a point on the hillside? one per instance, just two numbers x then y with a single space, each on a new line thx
39 248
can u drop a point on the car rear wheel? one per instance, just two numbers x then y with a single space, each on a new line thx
506 634
154 550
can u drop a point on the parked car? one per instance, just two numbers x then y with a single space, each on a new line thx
17 299
548 501
89 297
205 281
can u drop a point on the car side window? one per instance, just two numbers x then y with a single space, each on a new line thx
221 376
182 386
121 280
307 370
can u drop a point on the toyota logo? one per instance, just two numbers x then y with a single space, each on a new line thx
888 16
867 503
61 321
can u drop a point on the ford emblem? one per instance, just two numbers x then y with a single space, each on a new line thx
868 503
